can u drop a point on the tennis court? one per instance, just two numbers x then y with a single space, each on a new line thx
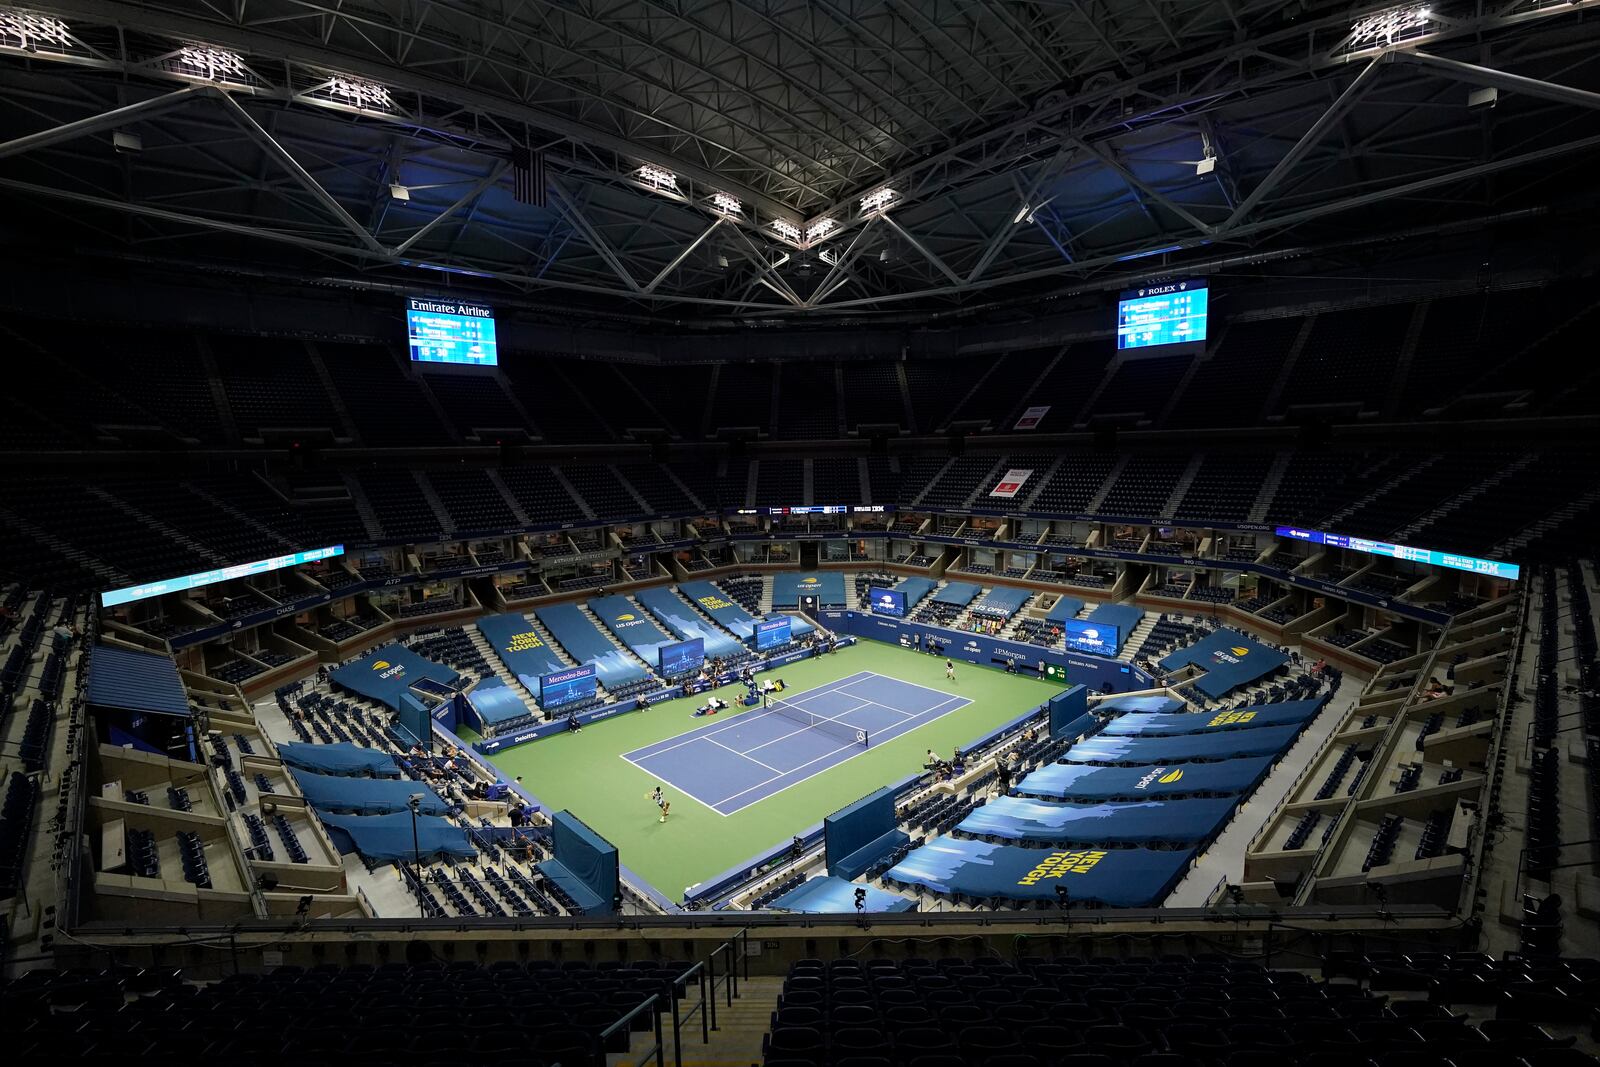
742 757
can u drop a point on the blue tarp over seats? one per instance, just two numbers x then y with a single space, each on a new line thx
585 865
1066 607
685 622
340 758
1219 744
586 644
497 704
631 625
1003 602
387 672
958 593
714 602
1124 878
1123 616
1159 705
915 589
836 896
858 835
520 648
1230 660
827 587
145 682
1145 781
1145 724
798 625
365 796
1137 823
387 838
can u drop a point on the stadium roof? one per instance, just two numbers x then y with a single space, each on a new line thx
775 159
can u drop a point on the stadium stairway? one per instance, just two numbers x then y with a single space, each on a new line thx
486 650
1135 639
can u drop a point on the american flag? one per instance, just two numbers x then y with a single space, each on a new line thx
528 176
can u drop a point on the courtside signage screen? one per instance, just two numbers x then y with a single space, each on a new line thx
1095 638
451 331
1493 568
685 657
771 633
566 687
194 581
889 602
1170 314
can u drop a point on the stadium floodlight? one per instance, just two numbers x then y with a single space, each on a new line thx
727 204
213 64
1205 166
1388 26
786 229
27 31
657 178
364 95
820 229
399 192
877 200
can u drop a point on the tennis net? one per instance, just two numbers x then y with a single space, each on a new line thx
821 723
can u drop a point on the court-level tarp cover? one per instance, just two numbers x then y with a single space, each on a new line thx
387 672
915 589
1222 744
730 615
365 796
387 838
1077 781
1157 705
685 622
1230 660
1125 617
520 647
1066 607
827 586
1126 878
497 703
958 593
836 896
586 855
1003 602
1138 822
1144 724
586 644
340 758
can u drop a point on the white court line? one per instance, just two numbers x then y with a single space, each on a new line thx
914 685
860 751
803 729
662 778
745 755
740 718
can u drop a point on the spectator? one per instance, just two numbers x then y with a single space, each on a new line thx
572 723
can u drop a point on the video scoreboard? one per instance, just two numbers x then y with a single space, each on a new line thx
451 331
567 686
1170 314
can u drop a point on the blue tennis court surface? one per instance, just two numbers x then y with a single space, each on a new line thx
747 756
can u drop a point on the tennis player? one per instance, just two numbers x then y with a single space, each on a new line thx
950 669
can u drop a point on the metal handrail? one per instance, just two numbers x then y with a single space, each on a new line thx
678 1019
627 1021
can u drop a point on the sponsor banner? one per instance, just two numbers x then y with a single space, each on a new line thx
1010 483
1031 417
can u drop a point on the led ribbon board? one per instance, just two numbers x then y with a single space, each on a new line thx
131 593
1432 557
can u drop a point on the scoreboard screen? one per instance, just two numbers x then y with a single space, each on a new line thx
567 687
1169 314
451 331
773 632
684 657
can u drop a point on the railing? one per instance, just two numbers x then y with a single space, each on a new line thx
654 1052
